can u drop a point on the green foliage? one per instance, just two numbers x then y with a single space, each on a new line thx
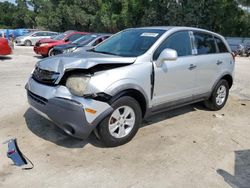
223 16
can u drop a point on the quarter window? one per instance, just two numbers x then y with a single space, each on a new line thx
179 41
221 46
204 43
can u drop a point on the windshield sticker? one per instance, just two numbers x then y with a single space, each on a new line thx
149 34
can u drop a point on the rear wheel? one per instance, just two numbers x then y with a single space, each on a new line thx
27 43
219 96
122 124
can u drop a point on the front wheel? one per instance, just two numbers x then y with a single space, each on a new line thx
27 43
122 124
51 52
219 96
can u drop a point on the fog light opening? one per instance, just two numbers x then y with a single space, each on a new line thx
68 129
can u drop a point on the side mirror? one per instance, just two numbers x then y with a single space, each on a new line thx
66 40
166 55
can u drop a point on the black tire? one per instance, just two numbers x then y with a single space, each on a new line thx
27 43
103 130
211 102
51 52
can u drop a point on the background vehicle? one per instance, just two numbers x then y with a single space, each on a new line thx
45 47
133 74
89 40
247 51
242 50
30 39
5 48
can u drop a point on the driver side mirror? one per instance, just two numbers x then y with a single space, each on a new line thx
66 40
166 55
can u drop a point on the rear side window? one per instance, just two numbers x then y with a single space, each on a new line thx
204 43
221 46
179 41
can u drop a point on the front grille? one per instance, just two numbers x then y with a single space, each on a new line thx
45 76
37 98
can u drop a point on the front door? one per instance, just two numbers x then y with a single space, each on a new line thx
174 80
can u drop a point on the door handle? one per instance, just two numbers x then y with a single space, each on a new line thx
219 62
192 66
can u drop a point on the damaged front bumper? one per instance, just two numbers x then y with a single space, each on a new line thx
66 110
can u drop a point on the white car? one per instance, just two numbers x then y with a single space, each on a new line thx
30 39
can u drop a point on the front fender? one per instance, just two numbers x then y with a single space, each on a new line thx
126 84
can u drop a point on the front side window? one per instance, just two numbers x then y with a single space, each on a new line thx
74 37
130 43
84 40
179 41
221 46
38 34
204 43
60 36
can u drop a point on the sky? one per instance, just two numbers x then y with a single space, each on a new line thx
12 1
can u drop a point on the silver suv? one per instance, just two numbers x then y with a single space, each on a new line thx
133 74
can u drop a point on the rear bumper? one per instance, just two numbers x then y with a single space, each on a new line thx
5 50
64 110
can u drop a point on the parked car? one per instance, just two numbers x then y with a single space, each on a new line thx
87 41
31 38
247 50
45 47
5 48
132 75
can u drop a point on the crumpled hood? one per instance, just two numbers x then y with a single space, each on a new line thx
81 60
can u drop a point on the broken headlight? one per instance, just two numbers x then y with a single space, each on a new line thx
77 84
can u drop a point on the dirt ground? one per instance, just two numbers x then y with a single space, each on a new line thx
188 147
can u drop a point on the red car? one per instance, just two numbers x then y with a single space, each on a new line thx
45 47
5 48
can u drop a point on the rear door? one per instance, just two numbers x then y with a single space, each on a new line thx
207 61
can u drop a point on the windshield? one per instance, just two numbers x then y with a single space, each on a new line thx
85 39
59 37
130 43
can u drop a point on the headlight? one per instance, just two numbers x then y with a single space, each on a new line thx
69 50
77 49
77 84
44 44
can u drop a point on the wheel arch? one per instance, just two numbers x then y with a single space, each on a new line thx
228 77
134 93
27 40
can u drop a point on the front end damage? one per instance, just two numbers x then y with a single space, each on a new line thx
48 94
